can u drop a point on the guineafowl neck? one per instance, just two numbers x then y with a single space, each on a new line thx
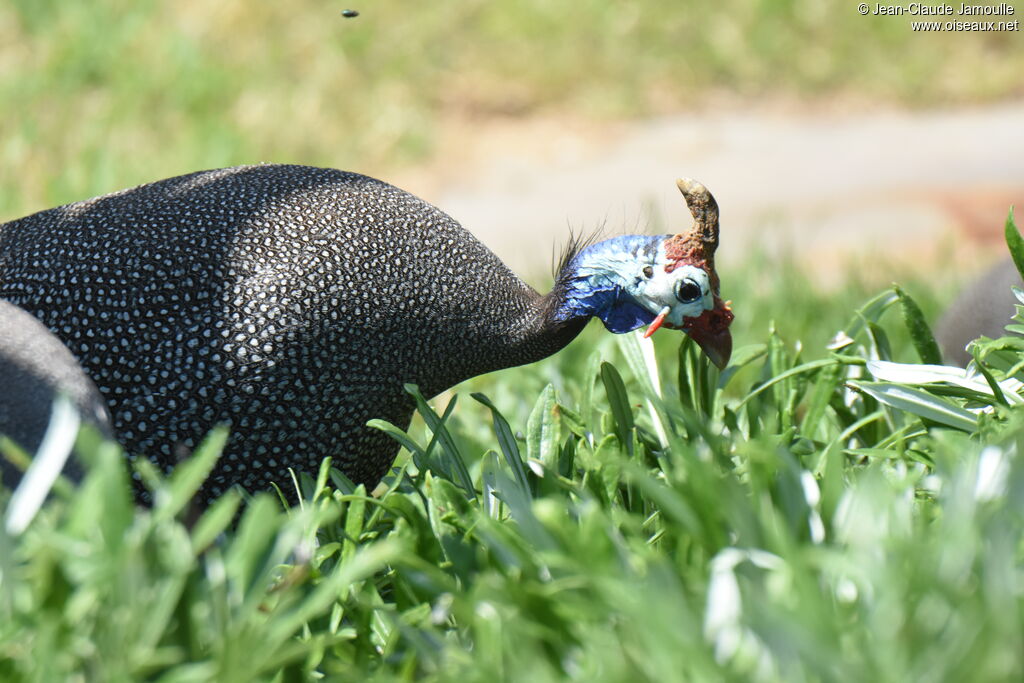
544 330
524 331
516 327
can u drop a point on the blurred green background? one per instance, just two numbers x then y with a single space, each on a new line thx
103 94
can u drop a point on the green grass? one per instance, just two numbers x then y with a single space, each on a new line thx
105 94
617 512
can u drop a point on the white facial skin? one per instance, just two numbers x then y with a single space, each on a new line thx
655 289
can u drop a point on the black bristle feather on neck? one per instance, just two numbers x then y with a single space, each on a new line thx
577 242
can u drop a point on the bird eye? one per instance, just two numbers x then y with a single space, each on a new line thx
648 272
688 291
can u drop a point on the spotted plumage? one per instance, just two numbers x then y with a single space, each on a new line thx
291 302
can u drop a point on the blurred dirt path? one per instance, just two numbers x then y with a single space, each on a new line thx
911 184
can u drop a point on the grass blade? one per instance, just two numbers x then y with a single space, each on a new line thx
920 403
507 442
189 475
543 433
56 446
920 333
870 312
1014 242
215 520
437 427
639 354
618 401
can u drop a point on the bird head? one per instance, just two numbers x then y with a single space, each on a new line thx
660 281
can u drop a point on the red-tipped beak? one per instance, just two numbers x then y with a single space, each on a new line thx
656 323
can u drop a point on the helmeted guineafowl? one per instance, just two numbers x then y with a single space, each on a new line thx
35 367
983 308
295 302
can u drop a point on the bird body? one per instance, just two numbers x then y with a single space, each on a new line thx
291 302
983 308
35 368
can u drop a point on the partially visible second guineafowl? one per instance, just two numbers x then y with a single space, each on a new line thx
35 368
983 308
295 303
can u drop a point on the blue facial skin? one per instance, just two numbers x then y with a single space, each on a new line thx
594 285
